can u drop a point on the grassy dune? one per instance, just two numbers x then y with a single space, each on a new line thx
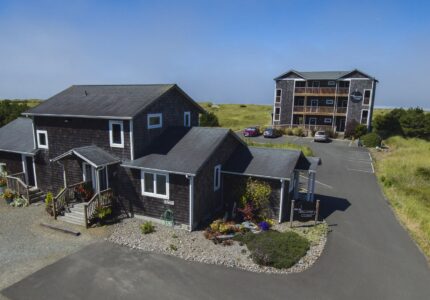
239 116
404 174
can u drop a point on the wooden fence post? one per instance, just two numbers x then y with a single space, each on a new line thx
292 213
85 216
317 211
54 209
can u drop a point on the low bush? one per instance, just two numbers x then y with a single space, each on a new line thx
209 119
288 131
275 249
103 212
330 133
19 202
423 173
371 140
360 130
147 227
298 131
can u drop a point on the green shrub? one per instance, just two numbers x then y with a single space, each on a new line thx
147 227
209 119
423 172
275 249
360 130
288 131
102 212
242 105
298 131
371 140
350 128
330 133
257 196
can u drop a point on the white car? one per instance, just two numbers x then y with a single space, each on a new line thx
320 136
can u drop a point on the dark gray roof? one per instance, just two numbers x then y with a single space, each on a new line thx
102 101
264 162
92 155
321 75
17 136
181 150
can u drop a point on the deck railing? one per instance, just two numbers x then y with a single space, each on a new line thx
64 196
102 199
321 90
16 182
319 109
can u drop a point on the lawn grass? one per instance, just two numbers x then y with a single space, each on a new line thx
290 146
275 249
404 174
240 116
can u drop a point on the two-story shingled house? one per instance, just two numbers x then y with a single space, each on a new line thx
323 100
139 145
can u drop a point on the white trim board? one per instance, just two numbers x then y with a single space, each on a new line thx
111 141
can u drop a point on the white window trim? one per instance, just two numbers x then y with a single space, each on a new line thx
111 142
160 115
276 95
274 114
311 122
333 83
217 168
370 96
329 101
361 117
154 194
187 113
326 119
38 139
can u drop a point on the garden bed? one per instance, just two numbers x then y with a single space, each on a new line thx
193 246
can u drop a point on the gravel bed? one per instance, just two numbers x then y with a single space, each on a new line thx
193 246
26 246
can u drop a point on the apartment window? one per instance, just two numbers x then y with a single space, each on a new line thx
42 139
116 134
329 101
366 99
300 83
312 121
327 120
364 116
278 95
217 177
155 185
155 121
331 83
187 119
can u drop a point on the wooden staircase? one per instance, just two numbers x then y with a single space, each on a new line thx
35 195
74 214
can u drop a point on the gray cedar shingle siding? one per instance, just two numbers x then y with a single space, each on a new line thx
13 162
354 109
287 100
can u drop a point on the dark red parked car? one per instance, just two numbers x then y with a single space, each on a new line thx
251 131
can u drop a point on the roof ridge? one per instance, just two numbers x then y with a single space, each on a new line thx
125 84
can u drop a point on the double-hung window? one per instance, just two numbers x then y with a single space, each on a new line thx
278 95
217 177
42 139
155 121
116 134
155 184
327 120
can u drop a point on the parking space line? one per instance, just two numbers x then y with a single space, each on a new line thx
357 170
319 182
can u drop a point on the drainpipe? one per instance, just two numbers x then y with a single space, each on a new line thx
191 201
281 202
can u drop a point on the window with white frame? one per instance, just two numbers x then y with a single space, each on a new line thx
116 134
277 113
155 121
217 177
155 184
329 101
331 83
278 95
327 120
42 139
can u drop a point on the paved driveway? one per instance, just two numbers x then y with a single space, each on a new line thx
368 255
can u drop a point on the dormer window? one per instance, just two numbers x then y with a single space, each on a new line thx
116 134
155 121
42 139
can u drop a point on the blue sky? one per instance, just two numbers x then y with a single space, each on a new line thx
220 51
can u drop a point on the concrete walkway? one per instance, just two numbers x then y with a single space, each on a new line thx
368 255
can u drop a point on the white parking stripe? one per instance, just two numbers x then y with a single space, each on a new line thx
357 170
319 182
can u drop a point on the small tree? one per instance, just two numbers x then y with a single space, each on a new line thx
350 128
209 119
257 196
360 130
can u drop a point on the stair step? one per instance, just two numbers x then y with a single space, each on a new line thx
68 219
76 212
75 215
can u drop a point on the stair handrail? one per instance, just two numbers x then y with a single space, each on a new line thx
63 197
103 198
17 185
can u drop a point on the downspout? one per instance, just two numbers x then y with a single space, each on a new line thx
281 202
191 201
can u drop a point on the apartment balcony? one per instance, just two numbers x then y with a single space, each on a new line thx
321 91
320 110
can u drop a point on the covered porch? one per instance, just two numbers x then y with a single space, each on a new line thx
87 176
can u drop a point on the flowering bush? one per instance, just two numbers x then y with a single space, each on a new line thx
3 181
84 192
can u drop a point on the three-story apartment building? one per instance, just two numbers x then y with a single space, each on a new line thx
323 100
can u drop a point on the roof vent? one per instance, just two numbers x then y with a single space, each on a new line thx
86 93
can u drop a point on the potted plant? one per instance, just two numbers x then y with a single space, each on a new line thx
8 195
3 184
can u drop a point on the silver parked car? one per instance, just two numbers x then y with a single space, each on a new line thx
321 136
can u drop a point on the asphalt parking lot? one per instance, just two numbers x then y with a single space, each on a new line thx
369 255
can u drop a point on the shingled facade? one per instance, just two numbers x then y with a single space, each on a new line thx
323 100
143 143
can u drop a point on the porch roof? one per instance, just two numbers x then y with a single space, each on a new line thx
264 162
17 137
93 155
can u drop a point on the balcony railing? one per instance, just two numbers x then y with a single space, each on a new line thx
320 109
321 90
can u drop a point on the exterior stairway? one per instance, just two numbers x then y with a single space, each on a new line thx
74 214
35 195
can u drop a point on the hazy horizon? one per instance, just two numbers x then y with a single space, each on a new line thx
223 51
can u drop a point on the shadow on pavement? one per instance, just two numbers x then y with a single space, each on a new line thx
330 204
